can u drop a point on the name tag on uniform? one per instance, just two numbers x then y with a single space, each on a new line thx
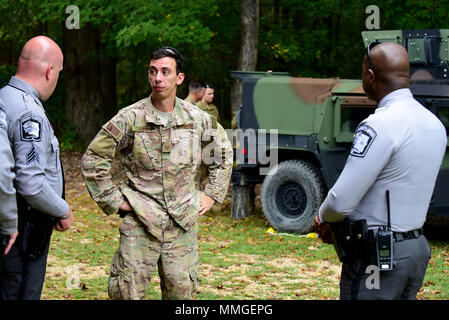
148 128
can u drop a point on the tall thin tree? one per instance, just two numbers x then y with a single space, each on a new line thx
90 81
249 42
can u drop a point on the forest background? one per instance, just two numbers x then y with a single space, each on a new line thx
106 59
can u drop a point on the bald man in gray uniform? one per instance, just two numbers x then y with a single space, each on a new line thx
39 177
8 206
398 148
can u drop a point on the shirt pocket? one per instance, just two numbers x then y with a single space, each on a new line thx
146 151
186 147
53 156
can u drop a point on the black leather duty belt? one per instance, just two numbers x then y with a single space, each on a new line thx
413 234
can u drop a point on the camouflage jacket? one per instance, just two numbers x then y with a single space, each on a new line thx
209 108
189 100
160 163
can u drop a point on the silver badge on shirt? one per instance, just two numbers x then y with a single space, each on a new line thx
363 139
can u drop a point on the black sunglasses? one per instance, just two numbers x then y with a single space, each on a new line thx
368 49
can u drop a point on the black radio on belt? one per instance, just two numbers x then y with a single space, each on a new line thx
384 243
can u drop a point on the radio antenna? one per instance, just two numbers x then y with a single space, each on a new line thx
388 210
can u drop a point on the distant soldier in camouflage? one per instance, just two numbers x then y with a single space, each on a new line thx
206 104
196 92
160 140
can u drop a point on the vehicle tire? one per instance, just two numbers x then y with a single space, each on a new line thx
292 196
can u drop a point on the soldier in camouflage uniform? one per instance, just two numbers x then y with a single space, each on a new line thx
206 104
160 140
196 92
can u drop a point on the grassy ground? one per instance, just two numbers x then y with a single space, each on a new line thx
238 259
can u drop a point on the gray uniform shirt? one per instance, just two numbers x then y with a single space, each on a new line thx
8 205
36 150
398 148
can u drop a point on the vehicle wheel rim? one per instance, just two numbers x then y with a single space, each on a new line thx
291 199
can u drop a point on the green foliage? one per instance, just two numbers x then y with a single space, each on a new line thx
5 73
21 18
68 141
413 14
175 22
313 38
305 38
130 23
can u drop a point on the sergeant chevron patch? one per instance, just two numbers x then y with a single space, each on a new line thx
33 155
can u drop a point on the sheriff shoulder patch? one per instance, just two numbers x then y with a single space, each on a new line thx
30 128
363 140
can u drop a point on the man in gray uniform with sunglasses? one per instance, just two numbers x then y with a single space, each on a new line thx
398 148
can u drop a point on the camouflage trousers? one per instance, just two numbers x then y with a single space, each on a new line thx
133 264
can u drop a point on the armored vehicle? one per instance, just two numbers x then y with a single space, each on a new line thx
305 126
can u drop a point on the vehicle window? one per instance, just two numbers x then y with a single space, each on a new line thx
351 117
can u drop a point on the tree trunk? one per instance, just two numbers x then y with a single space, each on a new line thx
90 83
276 6
248 47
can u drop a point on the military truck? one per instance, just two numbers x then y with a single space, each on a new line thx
315 121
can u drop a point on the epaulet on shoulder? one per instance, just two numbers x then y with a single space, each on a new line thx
190 108
188 105
137 105
195 111
128 114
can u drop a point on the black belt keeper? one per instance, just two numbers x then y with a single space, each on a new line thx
352 240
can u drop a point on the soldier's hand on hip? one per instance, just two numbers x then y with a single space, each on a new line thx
64 224
206 203
12 239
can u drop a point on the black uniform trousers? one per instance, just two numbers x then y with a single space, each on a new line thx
410 260
22 278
